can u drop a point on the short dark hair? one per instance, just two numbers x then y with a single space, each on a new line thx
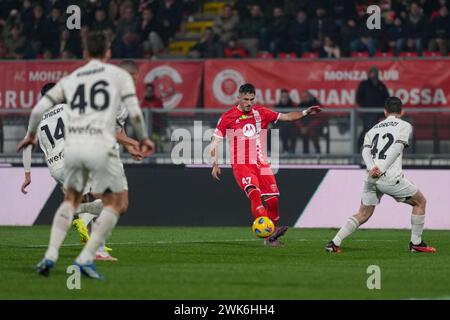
393 105
247 88
47 87
97 44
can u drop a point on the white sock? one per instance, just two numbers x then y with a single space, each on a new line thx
94 207
86 217
101 230
61 223
347 229
417 223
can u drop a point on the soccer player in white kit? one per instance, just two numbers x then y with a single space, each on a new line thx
382 153
51 140
94 93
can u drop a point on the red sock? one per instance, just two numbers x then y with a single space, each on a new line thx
272 209
258 209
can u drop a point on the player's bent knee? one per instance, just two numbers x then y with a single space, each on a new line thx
418 200
123 207
117 201
421 202
73 196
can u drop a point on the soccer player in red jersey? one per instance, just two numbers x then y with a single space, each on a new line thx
245 126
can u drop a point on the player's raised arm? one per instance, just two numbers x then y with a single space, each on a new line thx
54 96
297 115
26 159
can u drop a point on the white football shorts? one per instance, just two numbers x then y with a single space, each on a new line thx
400 189
101 164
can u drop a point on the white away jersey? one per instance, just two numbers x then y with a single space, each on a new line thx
94 94
382 137
51 134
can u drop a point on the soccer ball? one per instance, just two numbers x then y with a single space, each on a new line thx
263 227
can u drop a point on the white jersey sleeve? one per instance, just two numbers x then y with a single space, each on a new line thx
26 158
54 96
404 133
131 103
367 140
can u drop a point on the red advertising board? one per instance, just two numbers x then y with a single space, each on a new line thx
21 82
419 83
177 83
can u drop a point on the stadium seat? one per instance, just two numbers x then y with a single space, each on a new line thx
213 8
360 54
181 47
287 55
310 55
198 26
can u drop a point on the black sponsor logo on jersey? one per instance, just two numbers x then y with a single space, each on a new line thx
55 158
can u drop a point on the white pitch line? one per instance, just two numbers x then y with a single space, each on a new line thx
202 241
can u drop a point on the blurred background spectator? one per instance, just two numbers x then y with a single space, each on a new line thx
371 93
311 128
329 49
151 101
225 25
158 28
440 32
252 31
288 130
208 46
233 50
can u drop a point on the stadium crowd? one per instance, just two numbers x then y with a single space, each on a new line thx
245 28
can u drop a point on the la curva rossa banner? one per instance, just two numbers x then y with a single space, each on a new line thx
423 83
176 83
419 83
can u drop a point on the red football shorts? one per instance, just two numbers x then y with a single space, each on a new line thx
261 177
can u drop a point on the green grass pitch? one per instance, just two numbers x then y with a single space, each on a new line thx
229 263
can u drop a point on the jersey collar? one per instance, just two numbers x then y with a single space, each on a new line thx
243 112
392 116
